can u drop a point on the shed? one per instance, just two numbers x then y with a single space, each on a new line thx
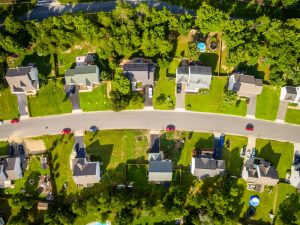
42 206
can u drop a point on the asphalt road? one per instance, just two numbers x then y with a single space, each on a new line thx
151 120
40 13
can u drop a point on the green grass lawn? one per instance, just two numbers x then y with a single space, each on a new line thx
213 101
182 43
267 103
51 99
32 173
8 105
114 148
164 92
292 116
95 100
284 190
174 64
60 148
280 154
231 154
3 148
210 59
138 175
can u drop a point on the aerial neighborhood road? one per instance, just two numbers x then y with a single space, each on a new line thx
151 120
40 13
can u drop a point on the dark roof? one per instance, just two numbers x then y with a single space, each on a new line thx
83 169
291 90
182 70
160 166
154 146
269 171
10 163
81 70
206 162
18 71
203 70
137 67
241 78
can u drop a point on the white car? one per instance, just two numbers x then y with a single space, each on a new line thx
150 92
1 122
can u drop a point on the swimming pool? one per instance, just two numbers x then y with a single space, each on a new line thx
96 223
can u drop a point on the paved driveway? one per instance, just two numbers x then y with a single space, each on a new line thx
23 105
180 98
74 98
156 120
79 145
148 101
282 108
251 107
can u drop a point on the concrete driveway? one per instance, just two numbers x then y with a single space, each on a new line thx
74 98
23 105
79 144
282 108
148 101
180 98
251 107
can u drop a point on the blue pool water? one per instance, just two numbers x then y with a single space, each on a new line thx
96 223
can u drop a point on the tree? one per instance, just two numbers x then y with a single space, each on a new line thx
210 19
230 97
121 84
192 52
12 25
289 210
185 24
105 75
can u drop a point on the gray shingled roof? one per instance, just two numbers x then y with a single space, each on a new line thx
81 70
209 163
291 90
85 75
183 70
201 70
139 72
83 169
160 166
18 71
241 78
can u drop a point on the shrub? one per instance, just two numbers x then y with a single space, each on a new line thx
230 97
203 91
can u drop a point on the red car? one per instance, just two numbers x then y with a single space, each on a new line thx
170 128
66 131
15 120
249 127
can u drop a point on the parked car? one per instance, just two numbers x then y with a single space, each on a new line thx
72 89
244 149
66 131
15 120
253 153
93 129
178 88
21 149
1 122
150 92
11 150
170 127
249 127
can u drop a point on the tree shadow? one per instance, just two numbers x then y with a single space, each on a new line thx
267 153
205 143
101 153
251 70
210 59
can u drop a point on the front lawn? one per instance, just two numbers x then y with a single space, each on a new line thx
174 64
267 103
280 154
60 148
3 148
292 116
164 92
213 101
114 148
8 104
51 99
95 100
31 174
231 153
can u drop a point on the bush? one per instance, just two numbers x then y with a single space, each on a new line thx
192 51
203 91
188 106
105 76
119 101
163 63
230 97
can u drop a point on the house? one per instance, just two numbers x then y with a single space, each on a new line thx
160 170
83 76
195 77
295 172
85 60
257 171
290 94
85 173
23 79
10 170
206 166
245 85
140 72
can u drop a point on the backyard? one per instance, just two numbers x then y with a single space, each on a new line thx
115 148
280 154
8 104
267 103
51 99
95 100
29 182
60 148
292 116
213 101
231 153
3 148
164 92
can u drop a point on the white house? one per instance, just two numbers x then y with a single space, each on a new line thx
10 169
290 94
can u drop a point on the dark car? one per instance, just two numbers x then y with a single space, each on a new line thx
170 127
71 90
249 127
21 149
11 150
93 129
244 149
178 88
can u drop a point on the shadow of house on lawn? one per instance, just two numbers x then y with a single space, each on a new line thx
234 164
267 153
251 70
210 59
